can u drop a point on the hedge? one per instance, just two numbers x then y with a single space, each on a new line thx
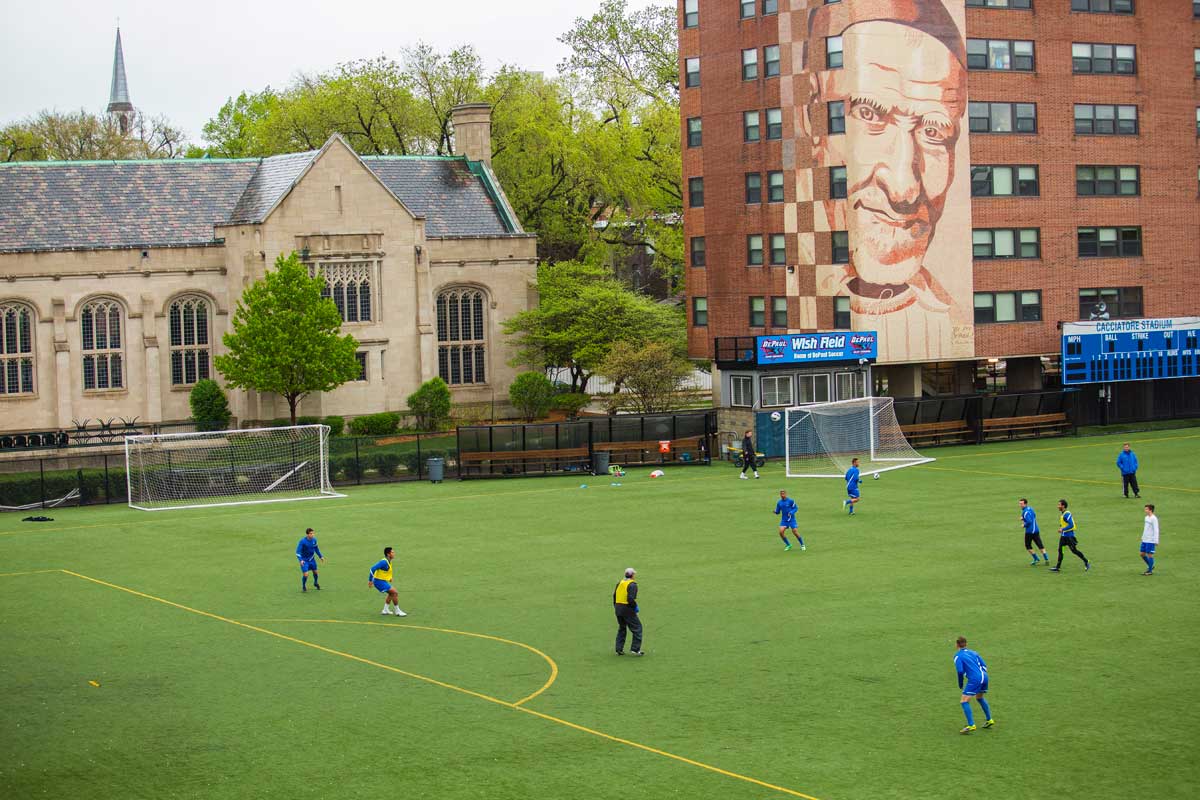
375 424
21 488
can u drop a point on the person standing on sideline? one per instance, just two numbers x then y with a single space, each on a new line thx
852 482
381 578
308 553
1127 464
749 456
1149 539
970 665
787 508
1066 537
1033 534
626 607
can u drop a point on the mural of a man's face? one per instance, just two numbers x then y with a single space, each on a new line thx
904 94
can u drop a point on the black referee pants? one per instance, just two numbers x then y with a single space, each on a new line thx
627 619
1068 542
1130 482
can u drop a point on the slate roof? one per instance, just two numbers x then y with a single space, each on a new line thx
174 203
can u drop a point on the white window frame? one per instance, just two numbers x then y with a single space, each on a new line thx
858 384
747 384
813 380
774 394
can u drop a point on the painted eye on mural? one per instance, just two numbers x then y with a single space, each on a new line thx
870 114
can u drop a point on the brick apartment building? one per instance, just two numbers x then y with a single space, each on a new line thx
962 176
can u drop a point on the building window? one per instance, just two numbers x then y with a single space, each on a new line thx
1008 307
1005 243
779 318
841 247
841 313
747 9
699 254
1116 303
775 186
750 64
833 52
837 116
691 73
361 356
778 249
837 182
753 187
691 13
1002 117
1002 54
462 336
189 340
1103 59
696 192
1103 180
1106 120
750 126
758 312
16 349
754 249
770 7
777 390
1102 6
774 123
1004 181
850 385
1196 58
348 285
814 388
1110 242
1196 9
695 134
100 333
998 3
700 311
741 391
1198 120
771 61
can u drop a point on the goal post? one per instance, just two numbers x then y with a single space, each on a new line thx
821 438
228 468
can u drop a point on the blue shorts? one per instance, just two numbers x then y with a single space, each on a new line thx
308 564
976 687
788 522
853 493
1148 548
383 586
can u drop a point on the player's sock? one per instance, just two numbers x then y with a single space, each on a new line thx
987 710
1150 563
1146 559
303 581
967 710
800 540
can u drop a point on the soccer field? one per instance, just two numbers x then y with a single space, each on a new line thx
172 654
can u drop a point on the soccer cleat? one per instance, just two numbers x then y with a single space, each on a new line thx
967 729
400 613
1054 569
787 547
803 548
743 477
386 611
1035 563
1148 572
1087 567
637 652
318 586
620 652
990 723
756 476
303 589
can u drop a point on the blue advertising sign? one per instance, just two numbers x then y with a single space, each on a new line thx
1105 351
806 348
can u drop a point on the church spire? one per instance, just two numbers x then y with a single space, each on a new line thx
118 96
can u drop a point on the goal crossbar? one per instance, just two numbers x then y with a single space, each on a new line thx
822 439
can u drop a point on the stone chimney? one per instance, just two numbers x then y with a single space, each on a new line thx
473 131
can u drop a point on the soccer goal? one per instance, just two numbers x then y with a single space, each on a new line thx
228 468
822 438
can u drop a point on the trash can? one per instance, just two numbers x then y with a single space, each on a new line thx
600 462
436 468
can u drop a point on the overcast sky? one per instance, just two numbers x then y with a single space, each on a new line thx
185 59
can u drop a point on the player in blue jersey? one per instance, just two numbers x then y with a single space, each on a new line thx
1033 535
1066 537
786 507
381 578
308 553
973 680
852 482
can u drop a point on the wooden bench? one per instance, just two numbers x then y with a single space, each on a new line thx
1019 427
626 453
518 462
955 431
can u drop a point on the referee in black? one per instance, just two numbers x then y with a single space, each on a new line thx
626 607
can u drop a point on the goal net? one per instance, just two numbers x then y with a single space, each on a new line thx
225 468
822 438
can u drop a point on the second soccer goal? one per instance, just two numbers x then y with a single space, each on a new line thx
822 438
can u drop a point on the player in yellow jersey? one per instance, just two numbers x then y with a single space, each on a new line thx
381 579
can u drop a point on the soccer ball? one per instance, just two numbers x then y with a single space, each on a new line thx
658 473
875 476
776 416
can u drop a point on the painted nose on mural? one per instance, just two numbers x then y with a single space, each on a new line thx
897 173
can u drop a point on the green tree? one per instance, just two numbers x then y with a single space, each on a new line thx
84 136
286 338
210 408
430 403
532 394
652 373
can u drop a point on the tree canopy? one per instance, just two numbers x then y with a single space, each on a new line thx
84 136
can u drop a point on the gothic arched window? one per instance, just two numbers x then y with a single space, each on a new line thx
462 338
100 331
189 340
16 348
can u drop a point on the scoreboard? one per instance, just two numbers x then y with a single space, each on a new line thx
1105 351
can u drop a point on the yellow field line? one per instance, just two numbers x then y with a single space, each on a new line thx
29 572
1056 478
1067 447
452 687
406 626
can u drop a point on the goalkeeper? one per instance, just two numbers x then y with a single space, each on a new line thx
852 482
308 552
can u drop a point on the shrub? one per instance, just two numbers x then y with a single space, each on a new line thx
572 402
380 424
26 487
336 425
210 409
531 393
430 404
349 467
385 463
307 421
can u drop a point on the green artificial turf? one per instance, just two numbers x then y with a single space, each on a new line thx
824 673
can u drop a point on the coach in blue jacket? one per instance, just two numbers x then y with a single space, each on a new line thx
1127 463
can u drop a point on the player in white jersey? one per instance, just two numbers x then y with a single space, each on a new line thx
1149 538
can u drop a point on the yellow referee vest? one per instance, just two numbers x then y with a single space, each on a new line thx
621 595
